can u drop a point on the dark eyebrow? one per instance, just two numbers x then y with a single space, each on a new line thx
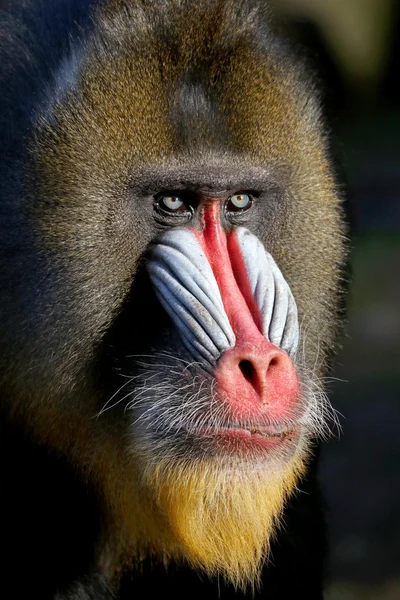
205 177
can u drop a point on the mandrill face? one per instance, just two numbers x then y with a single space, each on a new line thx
220 423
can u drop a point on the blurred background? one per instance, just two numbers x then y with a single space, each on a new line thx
355 46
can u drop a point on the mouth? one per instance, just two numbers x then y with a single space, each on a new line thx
263 437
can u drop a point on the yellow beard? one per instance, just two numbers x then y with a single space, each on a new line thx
219 519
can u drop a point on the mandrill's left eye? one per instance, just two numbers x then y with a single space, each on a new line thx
239 203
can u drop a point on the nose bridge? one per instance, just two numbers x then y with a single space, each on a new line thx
225 257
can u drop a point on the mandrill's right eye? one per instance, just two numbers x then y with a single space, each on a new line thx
172 203
172 208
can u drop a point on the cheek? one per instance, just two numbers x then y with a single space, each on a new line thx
126 234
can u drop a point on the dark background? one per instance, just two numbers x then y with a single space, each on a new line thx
355 45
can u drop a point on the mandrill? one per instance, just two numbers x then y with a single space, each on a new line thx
171 255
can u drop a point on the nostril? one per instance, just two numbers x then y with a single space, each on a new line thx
273 363
258 372
252 374
247 369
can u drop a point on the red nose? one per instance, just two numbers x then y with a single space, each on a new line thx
255 376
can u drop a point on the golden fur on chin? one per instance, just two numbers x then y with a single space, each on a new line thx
218 519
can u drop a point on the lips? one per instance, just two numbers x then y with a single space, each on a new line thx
264 431
266 436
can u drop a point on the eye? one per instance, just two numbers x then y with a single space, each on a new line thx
172 203
239 203
172 208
